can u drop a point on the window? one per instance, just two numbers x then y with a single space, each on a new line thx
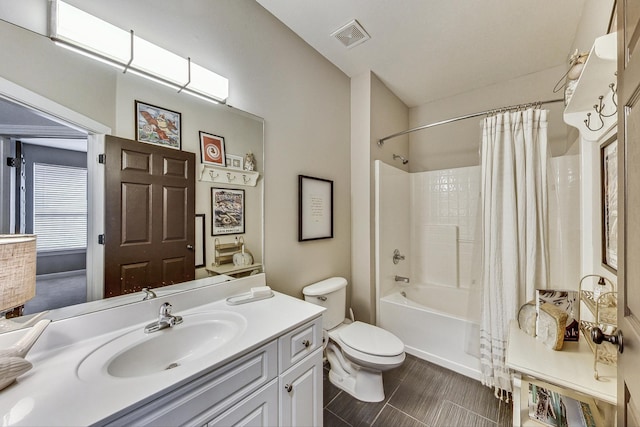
60 207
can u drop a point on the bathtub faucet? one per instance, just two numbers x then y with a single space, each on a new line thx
401 279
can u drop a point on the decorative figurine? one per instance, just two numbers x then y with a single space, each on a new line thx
249 162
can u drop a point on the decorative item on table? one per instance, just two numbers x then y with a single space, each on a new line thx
567 301
527 317
243 258
551 326
234 162
156 125
212 149
17 286
249 162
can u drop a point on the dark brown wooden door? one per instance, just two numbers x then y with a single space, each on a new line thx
628 204
149 216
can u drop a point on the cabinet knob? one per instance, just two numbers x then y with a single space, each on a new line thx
616 339
306 343
288 387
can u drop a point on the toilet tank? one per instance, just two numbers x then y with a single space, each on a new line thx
331 294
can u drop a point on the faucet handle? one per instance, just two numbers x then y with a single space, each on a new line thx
165 310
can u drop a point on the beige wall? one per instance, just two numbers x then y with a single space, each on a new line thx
302 97
376 112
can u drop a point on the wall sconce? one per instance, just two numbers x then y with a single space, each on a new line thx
86 34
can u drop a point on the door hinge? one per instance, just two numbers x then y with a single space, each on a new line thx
101 239
101 158
12 162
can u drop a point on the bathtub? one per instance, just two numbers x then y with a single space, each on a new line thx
438 324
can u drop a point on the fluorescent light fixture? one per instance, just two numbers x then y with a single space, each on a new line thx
100 40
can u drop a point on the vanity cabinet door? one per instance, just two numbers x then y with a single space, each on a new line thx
301 393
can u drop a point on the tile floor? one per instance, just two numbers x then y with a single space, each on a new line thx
418 394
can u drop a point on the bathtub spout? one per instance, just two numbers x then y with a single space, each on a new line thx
401 279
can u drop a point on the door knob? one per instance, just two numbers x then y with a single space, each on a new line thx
616 339
190 247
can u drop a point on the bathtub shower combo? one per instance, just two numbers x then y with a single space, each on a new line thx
428 260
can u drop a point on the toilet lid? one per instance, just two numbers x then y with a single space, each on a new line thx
371 339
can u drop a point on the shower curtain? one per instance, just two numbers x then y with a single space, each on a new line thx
514 230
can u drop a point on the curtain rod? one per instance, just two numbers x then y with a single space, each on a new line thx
468 116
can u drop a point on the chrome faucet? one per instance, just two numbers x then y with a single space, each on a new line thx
401 279
165 320
148 294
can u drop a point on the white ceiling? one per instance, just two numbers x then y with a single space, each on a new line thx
425 50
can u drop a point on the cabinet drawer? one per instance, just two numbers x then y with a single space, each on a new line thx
259 409
299 343
208 396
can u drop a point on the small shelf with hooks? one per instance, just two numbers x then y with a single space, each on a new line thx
222 175
592 108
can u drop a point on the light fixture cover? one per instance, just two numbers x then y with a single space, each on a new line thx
17 269
87 34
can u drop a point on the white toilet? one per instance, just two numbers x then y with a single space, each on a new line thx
357 352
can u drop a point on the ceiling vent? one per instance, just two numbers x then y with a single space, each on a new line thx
351 34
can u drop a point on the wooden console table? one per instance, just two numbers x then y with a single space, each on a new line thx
568 371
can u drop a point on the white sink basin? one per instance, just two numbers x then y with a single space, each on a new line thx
136 354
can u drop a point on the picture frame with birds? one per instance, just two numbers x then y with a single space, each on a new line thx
158 125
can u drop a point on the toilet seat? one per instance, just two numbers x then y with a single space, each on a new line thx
371 339
361 336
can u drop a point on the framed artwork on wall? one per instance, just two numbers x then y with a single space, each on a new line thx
157 125
609 185
212 149
227 207
234 162
201 250
315 208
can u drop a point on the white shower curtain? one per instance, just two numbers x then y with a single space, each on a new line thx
514 233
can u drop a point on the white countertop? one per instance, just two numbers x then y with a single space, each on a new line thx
571 367
53 394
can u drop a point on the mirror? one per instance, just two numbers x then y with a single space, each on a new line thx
42 141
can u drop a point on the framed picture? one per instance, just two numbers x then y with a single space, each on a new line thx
212 149
315 208
201 250
234 162
156 125
609 178
227 206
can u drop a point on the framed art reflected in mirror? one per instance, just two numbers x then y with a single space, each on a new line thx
201 257
609 186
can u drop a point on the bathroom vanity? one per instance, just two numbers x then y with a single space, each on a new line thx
259 362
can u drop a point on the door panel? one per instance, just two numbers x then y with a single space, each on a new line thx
150 212
628 219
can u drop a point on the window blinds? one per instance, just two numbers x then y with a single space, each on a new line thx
60 207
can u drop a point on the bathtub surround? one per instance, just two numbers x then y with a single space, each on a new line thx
515 229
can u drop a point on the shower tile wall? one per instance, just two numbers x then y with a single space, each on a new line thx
452 196
564 222
445 197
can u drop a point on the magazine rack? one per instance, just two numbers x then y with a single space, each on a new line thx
603 311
